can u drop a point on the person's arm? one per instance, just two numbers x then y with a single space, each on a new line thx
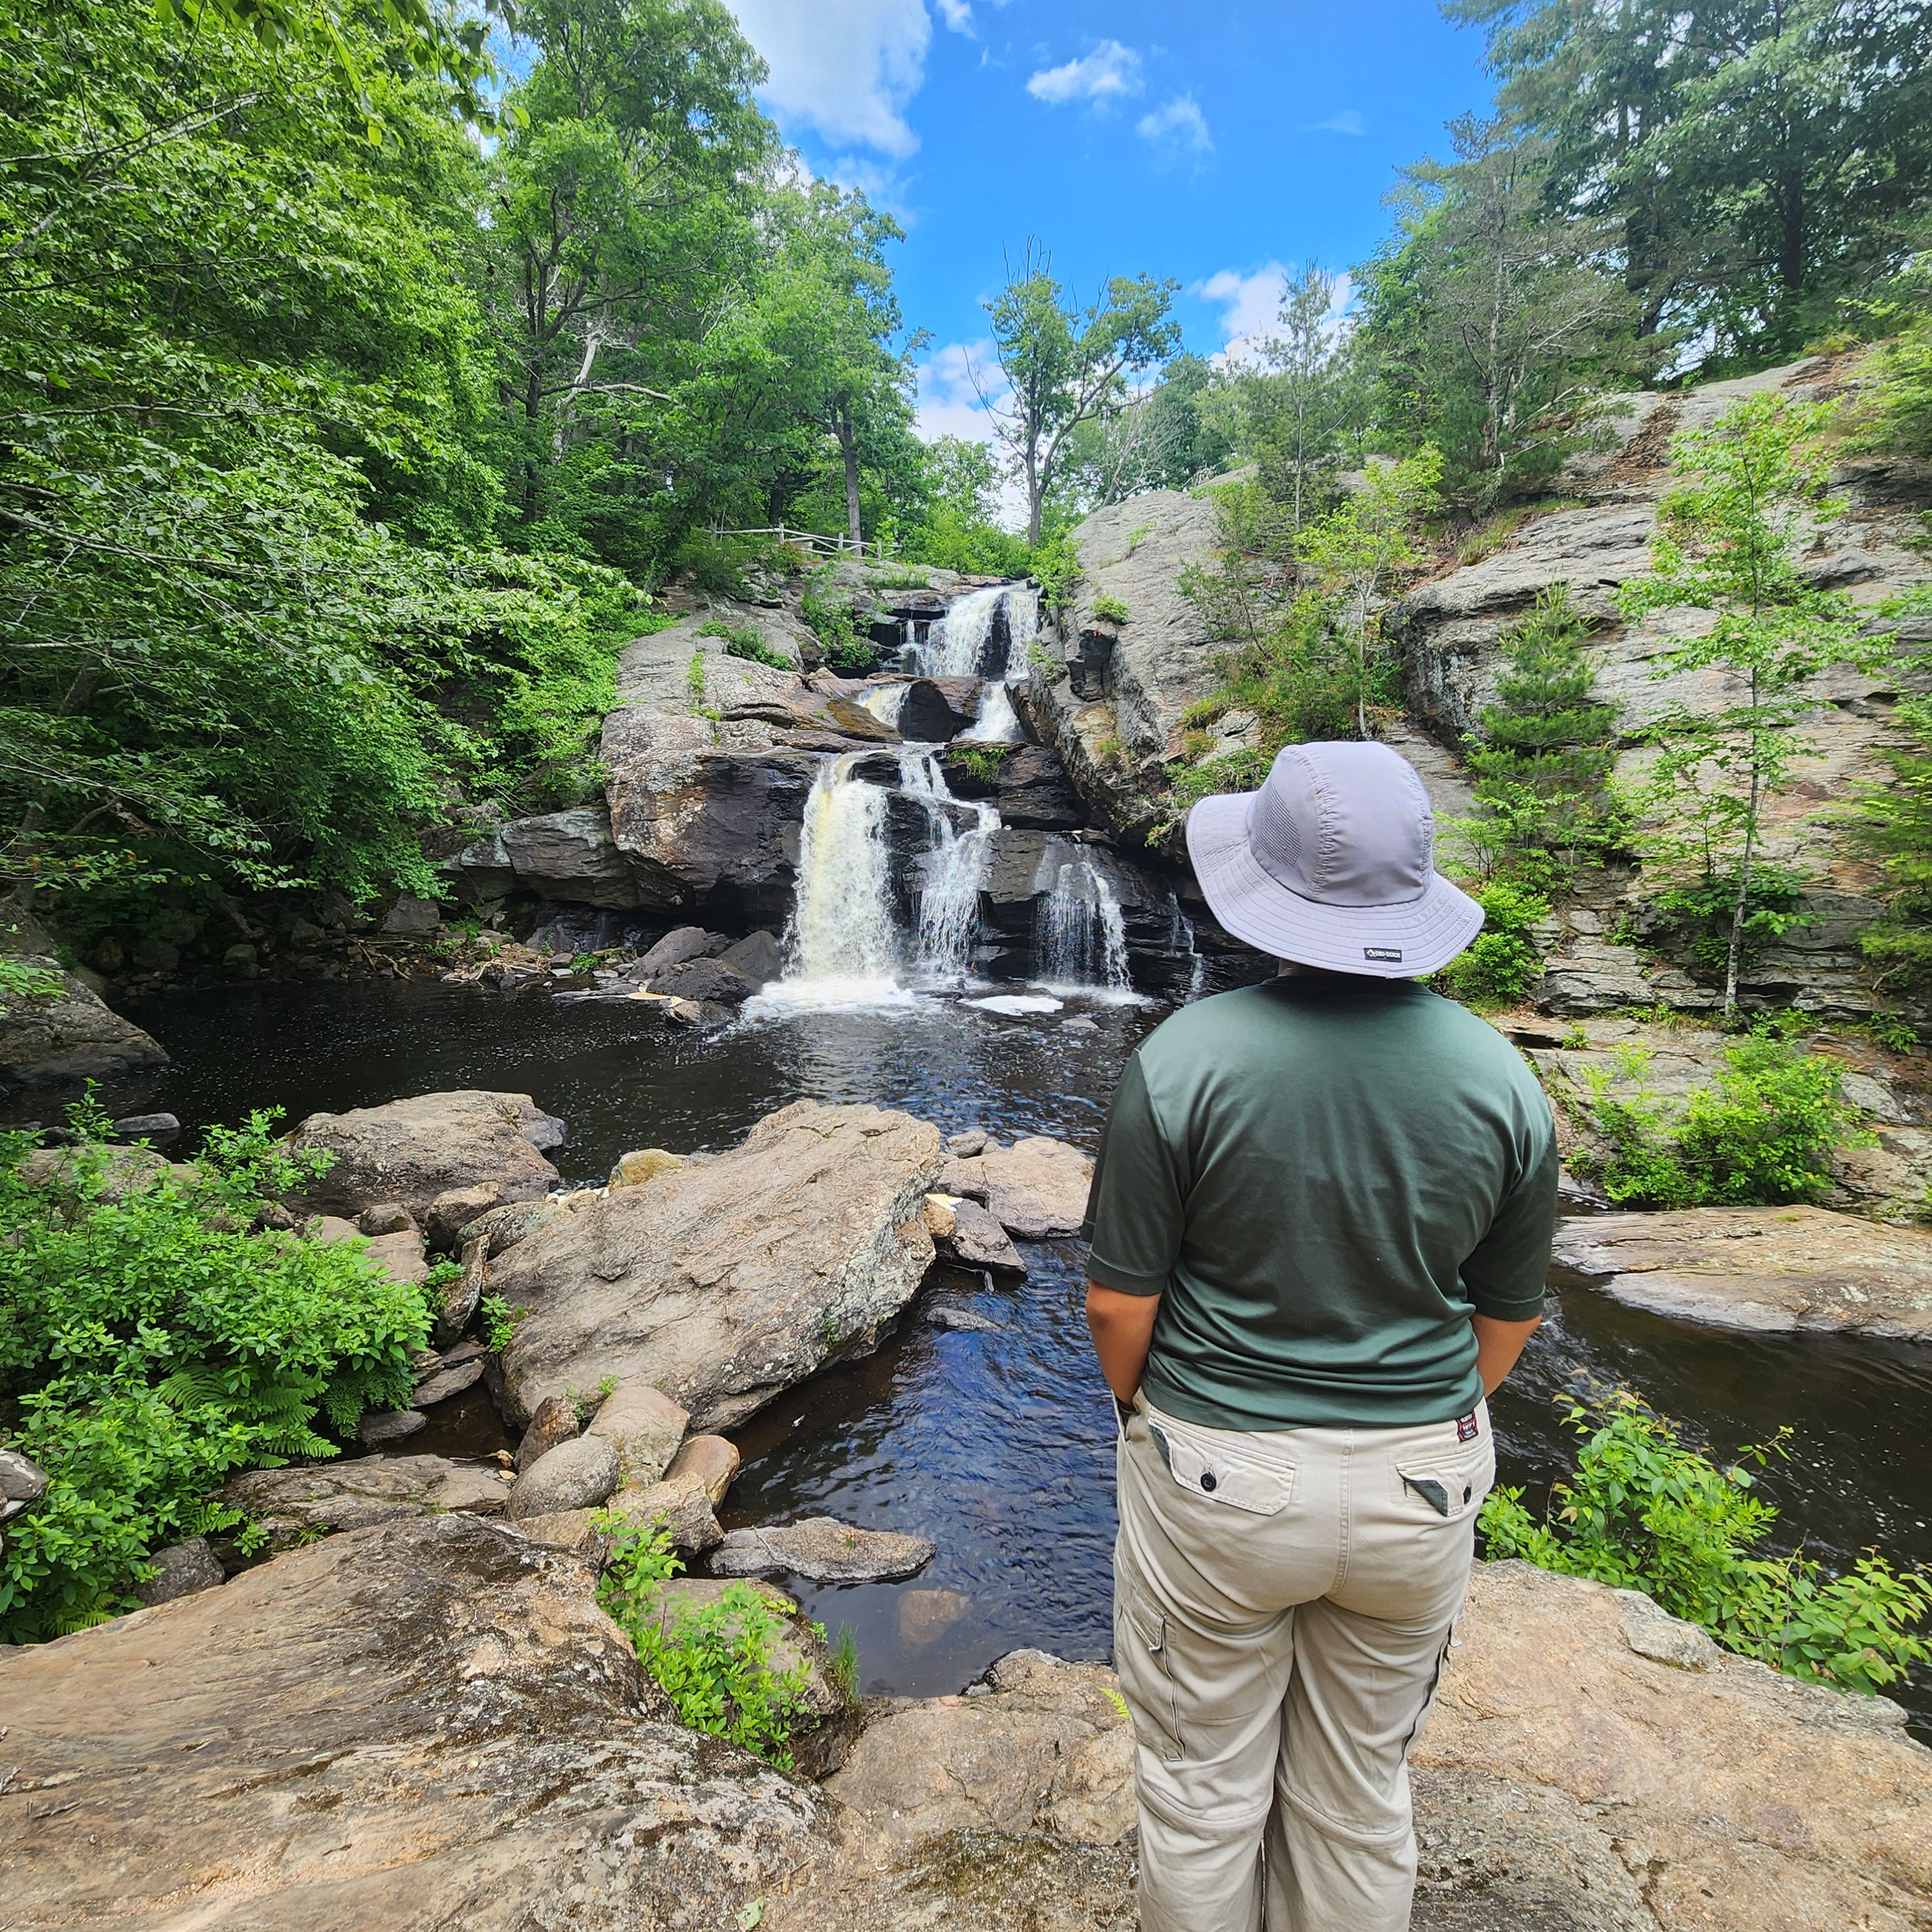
1122 1327
1497 1345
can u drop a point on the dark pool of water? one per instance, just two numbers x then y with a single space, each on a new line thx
999 1445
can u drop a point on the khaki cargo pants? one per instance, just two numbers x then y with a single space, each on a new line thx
1283 1603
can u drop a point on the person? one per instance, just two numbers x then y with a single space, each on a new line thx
1320 1224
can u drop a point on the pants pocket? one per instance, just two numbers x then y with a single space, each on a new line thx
1447 1488
1140 1660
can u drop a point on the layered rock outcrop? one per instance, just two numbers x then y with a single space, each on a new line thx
69 1037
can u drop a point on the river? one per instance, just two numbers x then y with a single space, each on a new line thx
998 1444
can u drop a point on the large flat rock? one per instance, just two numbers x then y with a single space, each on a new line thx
1764 1268
725 1282
428 1723
294 1506
413 1151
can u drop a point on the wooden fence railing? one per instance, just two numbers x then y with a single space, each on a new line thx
818 545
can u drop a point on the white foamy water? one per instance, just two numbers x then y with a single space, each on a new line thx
885 702
949 906
997 723
1080 936
841 927
953 644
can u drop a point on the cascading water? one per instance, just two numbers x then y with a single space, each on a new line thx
953 644
1080 936
885 703
842 931
997 722
948 904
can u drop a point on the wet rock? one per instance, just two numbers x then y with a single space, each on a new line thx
955 1317
1760 1268
555 1421
728 1281
291 1505
633 1170
682 943
386 1217
681 1503
413 1151
427 1723
823 1550
182 1569
1561 1763
934 710
446 1383
646 1428
924 1616
964 1232
389 1425
1037 1187
147 1127
1047 1748
1033 790
712 1459
407 919
570 855
72 1037
708 980
758 955
577 1475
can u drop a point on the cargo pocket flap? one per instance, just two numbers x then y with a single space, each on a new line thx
1223 1478
1448 1492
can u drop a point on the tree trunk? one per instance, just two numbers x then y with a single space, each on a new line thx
1735 953
1791 235
1032 496
848 444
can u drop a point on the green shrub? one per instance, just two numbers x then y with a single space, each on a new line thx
983 761
499 1322
742 641
22 983
846 651
1763 1132
1056 567
1110 609
693 678
1502 963
151 1345
714 1660
1695 919
1644 1512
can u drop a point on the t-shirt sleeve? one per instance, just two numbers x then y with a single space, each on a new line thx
1135 1212
1505 1276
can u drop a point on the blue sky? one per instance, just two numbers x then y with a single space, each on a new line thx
1214 143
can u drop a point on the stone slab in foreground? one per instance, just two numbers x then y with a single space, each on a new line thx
1763 1268
724 1282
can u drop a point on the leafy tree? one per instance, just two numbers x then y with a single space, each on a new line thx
1728 541
1488 321
1163 438
1065 365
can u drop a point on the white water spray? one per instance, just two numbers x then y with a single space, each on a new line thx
842 928
885 702
953 644
997 723
1080 936
949 905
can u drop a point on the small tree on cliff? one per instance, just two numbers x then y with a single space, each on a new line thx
1065 365
1727 542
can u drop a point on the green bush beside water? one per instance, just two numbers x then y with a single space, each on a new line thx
152 1345
1644 1512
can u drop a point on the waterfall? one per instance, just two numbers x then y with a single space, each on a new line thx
997 723
842 928
1080 938
953 644
885 702
1180 942
948 903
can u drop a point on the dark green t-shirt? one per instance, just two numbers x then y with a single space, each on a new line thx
1322 1177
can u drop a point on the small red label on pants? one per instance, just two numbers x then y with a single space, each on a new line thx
1465 1429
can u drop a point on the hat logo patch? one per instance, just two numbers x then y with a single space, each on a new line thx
1391 955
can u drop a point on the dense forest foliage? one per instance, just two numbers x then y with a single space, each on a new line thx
357 397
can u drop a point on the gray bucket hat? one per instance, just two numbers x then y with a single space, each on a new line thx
1332 864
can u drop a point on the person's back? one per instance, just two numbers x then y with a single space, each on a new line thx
1320 1223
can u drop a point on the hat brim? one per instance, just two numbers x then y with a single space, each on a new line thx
1423 934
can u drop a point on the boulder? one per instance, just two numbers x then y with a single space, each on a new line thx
1037 1187
446 1383
758 955
555 1421
401 1256
965 1176
710 981
388 1425
413 1151
181 1570
119 1172
934 710
480 870
681 1505
70 1037
682 943
1759 1268
1567 1764
1047 1747
504 1227
644 1427
712 1459
577 1475
728 1281
386 1217
462 1296
569 1529
408 918
634 1169
570 856
23 1483
291 1506
823 1550
968 1145
1032 790
453 1209
924 1616
956 1318
428 1723
963 1231
147 1127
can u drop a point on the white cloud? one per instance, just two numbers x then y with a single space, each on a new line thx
1181 122
949 405
958 15
1346 122
847 67
1110 72
1249 305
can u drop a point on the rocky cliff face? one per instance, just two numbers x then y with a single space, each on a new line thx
1450 630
